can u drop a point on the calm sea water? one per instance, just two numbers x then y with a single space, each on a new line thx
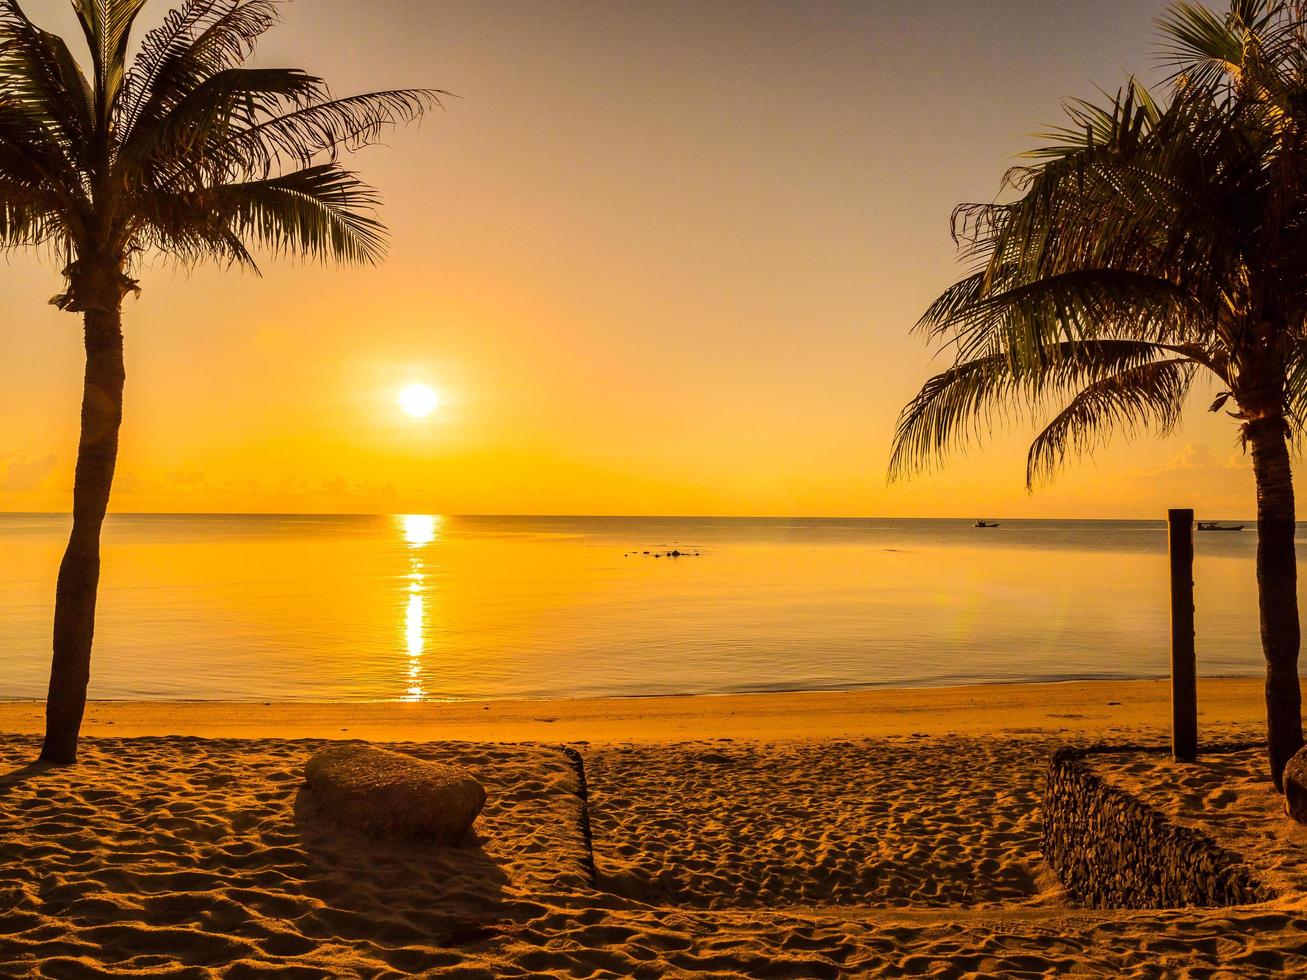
419 607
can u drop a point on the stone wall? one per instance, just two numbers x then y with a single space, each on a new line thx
583 794
1112 851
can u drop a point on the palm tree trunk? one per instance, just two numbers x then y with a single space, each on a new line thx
100 300
1277 584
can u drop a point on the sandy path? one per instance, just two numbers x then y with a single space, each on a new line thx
943 823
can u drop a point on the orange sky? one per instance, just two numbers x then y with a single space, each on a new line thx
659 258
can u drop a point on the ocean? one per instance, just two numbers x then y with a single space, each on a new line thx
419 607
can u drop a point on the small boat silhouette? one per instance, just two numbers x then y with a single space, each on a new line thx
985 524
1214 526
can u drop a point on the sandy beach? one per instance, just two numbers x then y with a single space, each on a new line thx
1082 708
885 832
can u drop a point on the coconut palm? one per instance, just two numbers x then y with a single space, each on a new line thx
1151 244
185 152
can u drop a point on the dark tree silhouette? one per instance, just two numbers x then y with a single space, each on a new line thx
185 152
1150 243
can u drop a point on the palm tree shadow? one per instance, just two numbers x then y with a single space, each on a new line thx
404 895
17 777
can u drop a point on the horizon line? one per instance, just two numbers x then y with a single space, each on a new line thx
613 517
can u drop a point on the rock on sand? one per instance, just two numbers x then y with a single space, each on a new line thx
393 796
1295 787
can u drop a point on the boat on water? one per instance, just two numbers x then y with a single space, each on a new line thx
985 524
1215 526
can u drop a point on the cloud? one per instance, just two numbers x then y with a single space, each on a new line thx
1212 482
1198 459
22 474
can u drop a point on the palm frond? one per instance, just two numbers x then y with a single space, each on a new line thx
195 42
188 151
1205 45
966 400
107 25
40 79
1255 46
29 215
231 101
302 136
1296 385
27 152
321 212
1133 113
1145 398
1080 304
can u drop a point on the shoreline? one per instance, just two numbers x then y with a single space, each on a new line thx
1079 708
609 517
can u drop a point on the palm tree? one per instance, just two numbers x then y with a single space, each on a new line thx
187 153
1150 243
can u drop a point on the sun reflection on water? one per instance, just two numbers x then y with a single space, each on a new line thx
418 530
415 640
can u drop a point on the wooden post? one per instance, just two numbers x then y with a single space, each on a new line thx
1184 674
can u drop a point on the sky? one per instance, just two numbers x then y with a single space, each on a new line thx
656 257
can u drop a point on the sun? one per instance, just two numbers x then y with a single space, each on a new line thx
419 400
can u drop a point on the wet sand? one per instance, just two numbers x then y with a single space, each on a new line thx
1074 708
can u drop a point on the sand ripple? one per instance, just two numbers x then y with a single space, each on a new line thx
183 858
901 822
188 855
